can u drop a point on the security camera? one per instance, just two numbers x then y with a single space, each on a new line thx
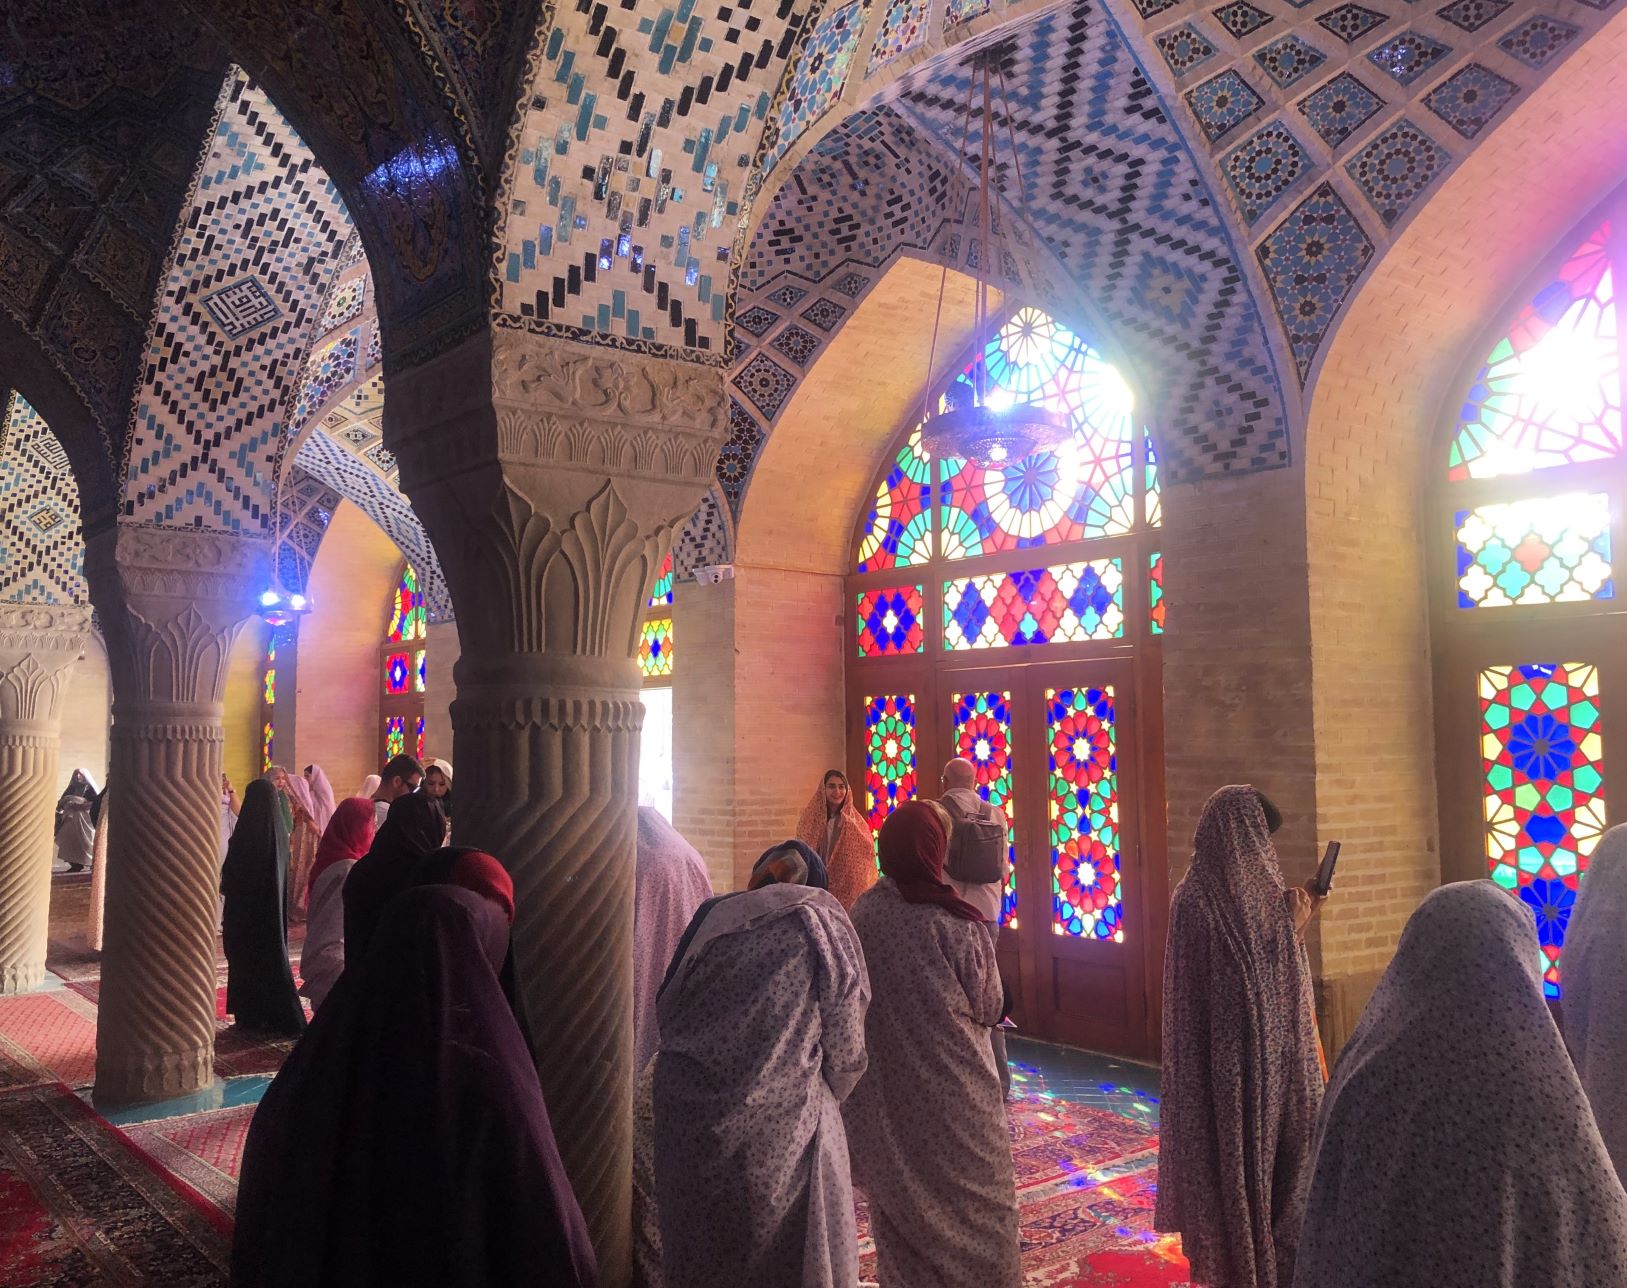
712 574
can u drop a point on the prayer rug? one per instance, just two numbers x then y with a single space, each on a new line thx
80 1206
48 1037
204 1150
1086 1188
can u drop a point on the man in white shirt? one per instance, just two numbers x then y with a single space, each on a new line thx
979 860
399 777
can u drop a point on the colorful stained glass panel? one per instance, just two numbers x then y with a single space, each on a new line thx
1550 392
397 673
1087 901
408 620
898 531
267 737
420 670
655 648
661 593
1083 489
270 693
889 622
1540 550
983 736
1065 604
1155 593
420 737
1155 494
395 736
889 756
1542 756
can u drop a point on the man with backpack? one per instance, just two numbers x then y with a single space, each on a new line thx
979 861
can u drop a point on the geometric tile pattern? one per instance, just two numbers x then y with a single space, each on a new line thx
42 544
1469 100
1223 103
1350 22
1241 19
903 27
706 540
634 156
1311 261
1263 168
1408 56
305 507
1395 167
817 76
1535 41
209 420
1472 15
766 383
738 454
1184 48
1340 108
1289 60
101 113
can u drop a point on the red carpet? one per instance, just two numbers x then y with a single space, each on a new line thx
203 1150
79 1206
1086 1183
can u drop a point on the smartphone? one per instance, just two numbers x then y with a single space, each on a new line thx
1324 874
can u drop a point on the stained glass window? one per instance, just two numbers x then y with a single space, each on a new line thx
982 724
1550 391
1084 489
270 691
889 755
898 530
1543 758
420 737
266 739
661 594
889 622
408 621
395 735
397 673
1084 814
1540 550
420 670
655 648
1155 495
1155 592
1068 603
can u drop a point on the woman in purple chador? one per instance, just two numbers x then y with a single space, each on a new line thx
405 1144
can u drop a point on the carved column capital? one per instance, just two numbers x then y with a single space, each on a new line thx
39 643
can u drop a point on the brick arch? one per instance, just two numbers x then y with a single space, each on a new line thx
1374 446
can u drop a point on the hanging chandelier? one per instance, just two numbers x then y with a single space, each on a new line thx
969 425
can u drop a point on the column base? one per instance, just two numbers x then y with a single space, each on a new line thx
156 1076
21 977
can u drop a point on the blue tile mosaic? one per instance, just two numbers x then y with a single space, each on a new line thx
1350 22
903 27
1152 8
1222 104
1472 15
756 319
1396 167
959 11
797 345
1241 18
42 547
1408 56
817 76
739 454
1184 48
824 314
1537 40
766 383
1469 99
1264 167
1340 108
1312 260
1289 60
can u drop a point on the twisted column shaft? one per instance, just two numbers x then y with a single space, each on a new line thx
171 604
38 646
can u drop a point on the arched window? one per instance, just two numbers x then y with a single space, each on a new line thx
655 665
1011 615
404 666
1529 633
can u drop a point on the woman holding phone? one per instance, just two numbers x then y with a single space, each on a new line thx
1242 1081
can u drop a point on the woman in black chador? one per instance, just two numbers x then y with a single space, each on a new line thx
259 984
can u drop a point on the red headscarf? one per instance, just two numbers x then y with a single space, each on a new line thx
913 848
478 871
348 835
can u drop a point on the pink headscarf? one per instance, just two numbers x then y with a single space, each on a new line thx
321 795
300 791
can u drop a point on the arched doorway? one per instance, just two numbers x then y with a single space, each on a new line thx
1531 648
1012 616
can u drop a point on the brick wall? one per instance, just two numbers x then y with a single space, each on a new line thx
704 724
243 749
86 713
439 689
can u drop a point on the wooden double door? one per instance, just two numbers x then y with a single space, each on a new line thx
1062 746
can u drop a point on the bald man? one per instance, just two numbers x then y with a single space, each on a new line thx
979 850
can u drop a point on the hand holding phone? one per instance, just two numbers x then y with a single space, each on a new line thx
1323 881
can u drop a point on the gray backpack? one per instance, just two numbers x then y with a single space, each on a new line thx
977 849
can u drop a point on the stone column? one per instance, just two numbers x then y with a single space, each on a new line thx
171 604
39 644
551 504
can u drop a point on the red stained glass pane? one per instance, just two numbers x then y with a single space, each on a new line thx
889 622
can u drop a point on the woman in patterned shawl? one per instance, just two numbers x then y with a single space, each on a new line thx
1456 1148
1596 990
1241 1077
837 832
761 1039
927 1124
670 882
303 838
